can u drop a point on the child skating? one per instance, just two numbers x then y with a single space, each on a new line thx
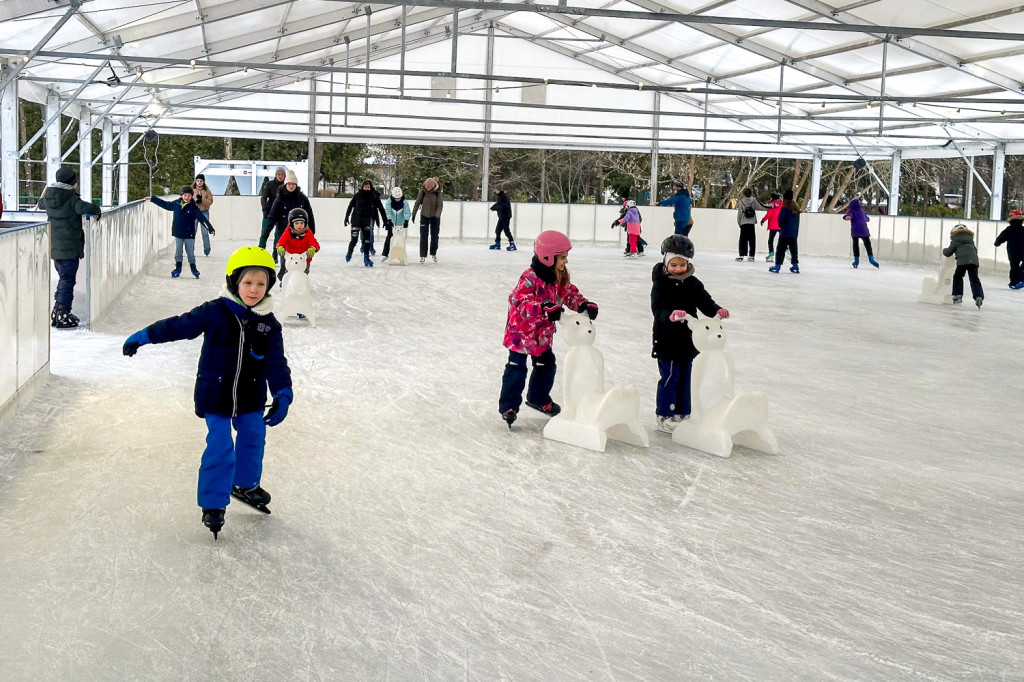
1013 237
961 245
676 294
296 239
183 228
397 210
534 306
242 354
859 231
631 220
789 228
772 218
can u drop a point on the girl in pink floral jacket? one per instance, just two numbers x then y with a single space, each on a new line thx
533 308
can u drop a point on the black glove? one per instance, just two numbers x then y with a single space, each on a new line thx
615 223
388 224
406 224
589 308
552 310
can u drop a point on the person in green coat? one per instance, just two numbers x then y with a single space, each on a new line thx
961 245
64 209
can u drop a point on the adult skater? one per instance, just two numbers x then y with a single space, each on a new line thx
398 211
675 295
64 209
243 354
681 203
503 207
859 231
746 218
961 245
1013 237
432 201
183 228
203 197
789 228
267 195
289 196
533 308
363 209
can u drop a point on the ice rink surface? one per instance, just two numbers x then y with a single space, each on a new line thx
413 537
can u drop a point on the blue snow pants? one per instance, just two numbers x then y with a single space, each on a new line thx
226 462
674 387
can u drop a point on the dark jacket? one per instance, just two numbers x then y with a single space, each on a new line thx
789 222
268 194
243 352
284 203
681 202
961 244
183 226
1013 237
364 208
673 340
64 209
503 207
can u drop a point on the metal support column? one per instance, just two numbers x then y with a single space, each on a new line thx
9 139
85 154
969 188
455 41
995 210
366 100
485 185
778 103
107 167
881 92
894 184
312 174
813 206
401 56
704 145
655 134
122 167
52 136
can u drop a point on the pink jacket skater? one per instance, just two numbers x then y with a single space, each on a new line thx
632 223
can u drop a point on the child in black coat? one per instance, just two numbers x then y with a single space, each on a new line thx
243 353
675 294
183 227
1013 237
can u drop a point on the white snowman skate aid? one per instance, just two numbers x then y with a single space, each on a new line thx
297 294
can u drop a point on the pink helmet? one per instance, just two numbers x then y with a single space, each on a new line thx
549 244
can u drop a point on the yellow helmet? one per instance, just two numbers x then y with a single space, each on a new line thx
249 257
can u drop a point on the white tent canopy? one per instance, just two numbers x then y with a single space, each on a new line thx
869 78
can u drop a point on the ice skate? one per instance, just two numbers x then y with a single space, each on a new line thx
423 260
214 520
58 310
195 272
496 246
64 319
511 247
871 259
740 258
774 268
856 262
1018 285
435 258
957 300
348 257
795 269
256 497
770 258
177 269
666 424
551 409
978 301
367 262
510 417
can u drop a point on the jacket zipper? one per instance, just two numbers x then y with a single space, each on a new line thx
238 369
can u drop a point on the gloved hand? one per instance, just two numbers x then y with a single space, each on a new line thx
131 346
211 231
552 310
279 408
388 224
310 251
677 316
346 222
406 225
615 223
589 308
723 313
280 251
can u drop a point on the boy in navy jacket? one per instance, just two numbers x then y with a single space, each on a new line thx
243 353
183 227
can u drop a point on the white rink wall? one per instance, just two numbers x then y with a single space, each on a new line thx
24 311
901 238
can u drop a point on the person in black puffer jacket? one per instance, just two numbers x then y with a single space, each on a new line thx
362 213
676 295
243 354
64 209
1013 237
288 197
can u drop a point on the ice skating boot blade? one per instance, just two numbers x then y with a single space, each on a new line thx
510 417
214 520
256 497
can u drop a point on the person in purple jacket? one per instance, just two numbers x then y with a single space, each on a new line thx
859 230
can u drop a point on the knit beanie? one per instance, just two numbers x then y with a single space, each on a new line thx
66 176
200 177
185 189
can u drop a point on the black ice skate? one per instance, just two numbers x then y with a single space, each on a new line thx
551 409
510 417
256 497
214 520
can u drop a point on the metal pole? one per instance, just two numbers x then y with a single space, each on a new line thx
52 130
778 103
401 54
894 184
995 210
311 170
84 154
107 170
9 139
124 91
455 41
330 106
347 41
16 69
54 114
969 188
655 134
122 168
366 100
704 147
815 184
881 93
485 185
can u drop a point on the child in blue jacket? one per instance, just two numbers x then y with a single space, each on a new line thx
183 227
243 353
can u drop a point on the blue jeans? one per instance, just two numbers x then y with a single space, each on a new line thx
682 227
674 387
205 232
514 380
225 462
190 249
67 272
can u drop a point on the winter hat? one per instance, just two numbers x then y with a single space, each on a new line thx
1015 215
430 184
200 176
367 182
630 204
66 175
669 256
185 189
396 193
290 177
280 169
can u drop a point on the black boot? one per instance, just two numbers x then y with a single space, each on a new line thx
256 497
64 319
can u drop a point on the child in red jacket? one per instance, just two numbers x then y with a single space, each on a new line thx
772 216
298 239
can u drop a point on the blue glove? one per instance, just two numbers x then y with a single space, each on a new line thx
131 346
279 409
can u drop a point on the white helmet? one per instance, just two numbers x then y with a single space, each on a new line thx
630 204
396 193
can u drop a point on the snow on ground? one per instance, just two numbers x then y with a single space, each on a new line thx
414 537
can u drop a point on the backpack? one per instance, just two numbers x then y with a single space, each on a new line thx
749 212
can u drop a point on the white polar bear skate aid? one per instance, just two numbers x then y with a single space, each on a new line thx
590 415
297 293
718 418
397 254
939 289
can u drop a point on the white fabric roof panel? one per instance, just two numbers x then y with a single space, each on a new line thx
580 48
